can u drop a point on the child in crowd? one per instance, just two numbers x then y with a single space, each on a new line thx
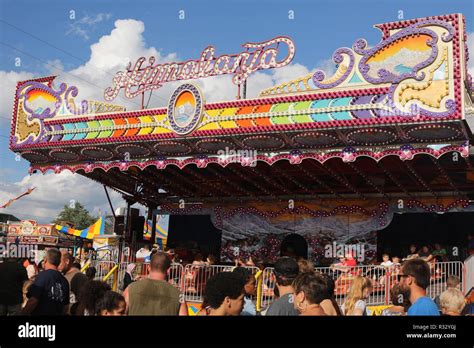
386 261
111 304
396 261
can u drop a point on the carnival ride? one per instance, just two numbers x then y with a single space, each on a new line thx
389 131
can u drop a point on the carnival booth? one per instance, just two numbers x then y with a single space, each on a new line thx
328 158
44 236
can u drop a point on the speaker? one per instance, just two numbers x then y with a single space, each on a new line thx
134 212
119 225
137 227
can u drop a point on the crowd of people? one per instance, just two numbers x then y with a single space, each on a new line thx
59 287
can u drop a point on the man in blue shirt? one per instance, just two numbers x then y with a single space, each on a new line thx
414 278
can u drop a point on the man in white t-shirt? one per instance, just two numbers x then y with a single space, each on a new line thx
144 253
30 269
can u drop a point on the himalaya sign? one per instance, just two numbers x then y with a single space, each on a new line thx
256 56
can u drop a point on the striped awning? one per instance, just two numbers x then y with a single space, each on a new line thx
97 229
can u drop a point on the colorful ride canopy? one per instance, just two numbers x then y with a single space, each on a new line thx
94 230
407 91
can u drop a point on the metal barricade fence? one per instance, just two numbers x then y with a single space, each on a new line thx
191 280
268 287
121 275
196 276
344 276
440 271
175 276
383 278
102 269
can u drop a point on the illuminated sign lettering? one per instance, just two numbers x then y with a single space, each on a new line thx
257 56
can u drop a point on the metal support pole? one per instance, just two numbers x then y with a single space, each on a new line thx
110 202
151 216
75 246
127 228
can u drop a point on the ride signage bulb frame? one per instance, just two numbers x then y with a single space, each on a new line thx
257 56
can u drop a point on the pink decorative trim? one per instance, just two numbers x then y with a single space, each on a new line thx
293 158
220 213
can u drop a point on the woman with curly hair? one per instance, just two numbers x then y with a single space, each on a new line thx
91 292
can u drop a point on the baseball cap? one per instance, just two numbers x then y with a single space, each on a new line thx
286 267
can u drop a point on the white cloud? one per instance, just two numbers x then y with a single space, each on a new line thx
327 66
289 72
54 67
110 54
93 20
8 81
222 88
77 30
82 26
52 192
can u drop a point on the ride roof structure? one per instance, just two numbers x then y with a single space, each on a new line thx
392 122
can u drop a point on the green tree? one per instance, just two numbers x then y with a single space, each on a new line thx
78 215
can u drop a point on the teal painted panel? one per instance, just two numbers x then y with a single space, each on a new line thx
341 101
321 117
68 126
318 104
355 79
344 115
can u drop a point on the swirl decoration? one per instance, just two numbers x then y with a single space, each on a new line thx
73 91
340 75
33 87
40 102
385 76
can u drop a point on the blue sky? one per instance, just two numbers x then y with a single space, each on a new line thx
318 28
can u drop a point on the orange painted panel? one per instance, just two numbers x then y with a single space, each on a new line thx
133 131
118 132
245 110
263 108
263 121
245 123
